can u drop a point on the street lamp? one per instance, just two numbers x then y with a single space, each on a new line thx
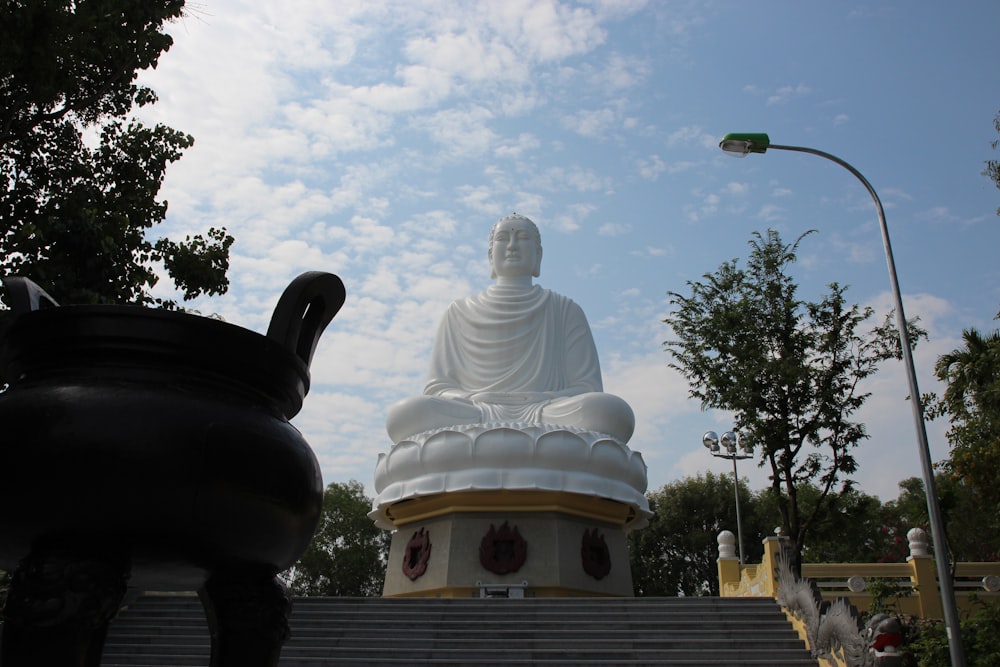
730 441
744 143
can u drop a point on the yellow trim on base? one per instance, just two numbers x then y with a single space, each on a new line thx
423 508
472 592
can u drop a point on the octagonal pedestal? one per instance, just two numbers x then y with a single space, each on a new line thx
509 543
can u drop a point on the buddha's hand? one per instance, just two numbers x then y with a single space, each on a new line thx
510 398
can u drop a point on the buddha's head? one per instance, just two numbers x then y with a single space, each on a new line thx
514 226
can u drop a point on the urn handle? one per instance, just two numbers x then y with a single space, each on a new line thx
305 308
24 296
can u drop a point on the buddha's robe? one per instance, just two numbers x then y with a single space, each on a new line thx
502 342
513 355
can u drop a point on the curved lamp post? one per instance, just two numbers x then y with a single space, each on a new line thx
730 441
744 143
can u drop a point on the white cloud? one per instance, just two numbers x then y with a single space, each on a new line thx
658 396
546 30
770 213
858 253
692 134
469 56
651 167
681 166
785 94
896 193
460 133
617 73
380 140
613 229
567 222
423 87
480 198
518 148
938 214
590 123
573 179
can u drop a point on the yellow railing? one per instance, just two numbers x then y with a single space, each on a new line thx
909 588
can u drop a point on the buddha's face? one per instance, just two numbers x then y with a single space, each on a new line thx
516 250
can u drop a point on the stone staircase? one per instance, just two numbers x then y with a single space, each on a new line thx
156 631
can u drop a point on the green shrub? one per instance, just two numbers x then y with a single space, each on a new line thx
885 595
980 638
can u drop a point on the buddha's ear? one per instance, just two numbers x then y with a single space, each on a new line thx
538 263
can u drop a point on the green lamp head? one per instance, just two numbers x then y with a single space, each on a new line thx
740 144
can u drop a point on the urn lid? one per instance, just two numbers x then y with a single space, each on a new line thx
124 341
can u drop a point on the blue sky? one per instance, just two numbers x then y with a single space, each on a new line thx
380 141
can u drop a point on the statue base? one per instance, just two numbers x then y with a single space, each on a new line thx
509 509
509 544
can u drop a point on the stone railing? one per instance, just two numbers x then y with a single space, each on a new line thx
910 587
825 606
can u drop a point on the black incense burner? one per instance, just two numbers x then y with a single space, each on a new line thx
147 449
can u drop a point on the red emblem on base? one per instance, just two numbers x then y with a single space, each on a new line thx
417 554
595 555
503 551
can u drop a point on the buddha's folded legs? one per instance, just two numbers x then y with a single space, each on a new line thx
593 411
423 413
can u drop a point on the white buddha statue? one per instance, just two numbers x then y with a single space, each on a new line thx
514 353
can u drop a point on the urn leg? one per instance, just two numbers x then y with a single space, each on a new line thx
59 606
247 612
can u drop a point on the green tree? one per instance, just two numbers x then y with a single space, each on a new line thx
992 170
973 529
972 403
79 175
347 556
849 531
676 554
789 369
907 511
980 637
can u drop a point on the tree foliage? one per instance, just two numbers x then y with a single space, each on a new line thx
850 531
980 638
972 403
789 369
677 553
347 556
992 170
79 175
971 523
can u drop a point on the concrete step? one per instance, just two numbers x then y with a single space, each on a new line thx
159 631
187 643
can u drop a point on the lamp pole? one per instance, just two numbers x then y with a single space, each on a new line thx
730 440
742 144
